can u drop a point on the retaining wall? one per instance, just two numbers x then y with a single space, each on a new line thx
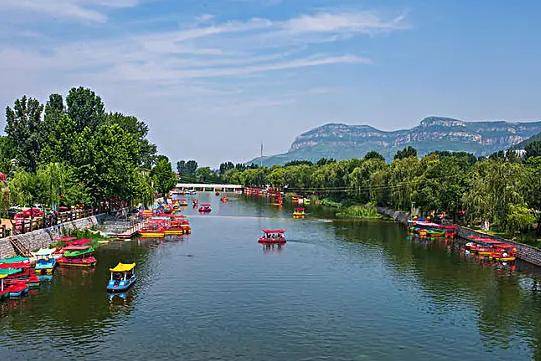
44 237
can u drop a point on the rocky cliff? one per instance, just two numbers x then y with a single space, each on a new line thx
341 141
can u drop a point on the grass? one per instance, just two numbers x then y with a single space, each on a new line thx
367 211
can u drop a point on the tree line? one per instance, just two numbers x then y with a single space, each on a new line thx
73 152
503 189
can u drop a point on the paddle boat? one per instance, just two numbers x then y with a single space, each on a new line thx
122 277
183 202
224 199
20 272
205 208
272 236
15 259
194 203
3 292
77 256
152 232
45 261
298 213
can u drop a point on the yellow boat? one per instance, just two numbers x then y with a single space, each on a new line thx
298 213
174 231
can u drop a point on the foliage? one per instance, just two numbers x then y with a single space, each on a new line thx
23 123
85 108
163 175
533 149
367 211
409 151
298 162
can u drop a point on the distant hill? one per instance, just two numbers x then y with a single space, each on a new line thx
524 143
341 141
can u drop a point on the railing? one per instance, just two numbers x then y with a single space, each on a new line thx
25 225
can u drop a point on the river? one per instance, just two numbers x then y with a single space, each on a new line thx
338 290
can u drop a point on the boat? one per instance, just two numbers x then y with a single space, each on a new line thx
272 236
15 259
3 292
19 272
183 202
152 232
491 249
122 277
205 208
298 213
194 203
77 256
433 230
224 199
45 261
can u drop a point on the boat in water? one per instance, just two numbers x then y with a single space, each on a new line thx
205 208
298 213
77 256
122 277
45 261
272 236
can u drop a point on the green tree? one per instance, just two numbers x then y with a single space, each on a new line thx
191 167
23 124
533 149
163 175
409 151
85 108
374 155
224 167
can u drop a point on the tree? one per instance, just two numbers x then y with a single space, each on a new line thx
191 167
409 151
23 128
205 175
85 108
374 155
181 166
163 175
298 162
323 161
533 149
224 167
58 185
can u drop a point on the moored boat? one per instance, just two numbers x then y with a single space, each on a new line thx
122 277
205 208
272 236
45 261
298 213
77 256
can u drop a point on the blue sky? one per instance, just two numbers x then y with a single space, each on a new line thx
213 79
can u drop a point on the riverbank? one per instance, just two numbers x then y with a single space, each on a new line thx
525 252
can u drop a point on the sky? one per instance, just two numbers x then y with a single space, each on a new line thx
215 79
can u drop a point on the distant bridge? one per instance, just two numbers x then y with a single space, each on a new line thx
200 187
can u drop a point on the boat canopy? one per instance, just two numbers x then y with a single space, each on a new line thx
205 204
76 248
279 231
65 238
299 209
15 259
14 265
123 267
44 252
10 271
3 276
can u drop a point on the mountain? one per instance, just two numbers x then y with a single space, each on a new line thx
524 143
341 141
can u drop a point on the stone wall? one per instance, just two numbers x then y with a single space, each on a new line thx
399 216
44 237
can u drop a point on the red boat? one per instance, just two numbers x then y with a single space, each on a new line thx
273 236
26 273
492 249
205 208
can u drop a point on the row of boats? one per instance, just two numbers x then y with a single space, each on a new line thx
19 274
486 248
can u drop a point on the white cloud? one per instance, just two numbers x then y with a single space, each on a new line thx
82 10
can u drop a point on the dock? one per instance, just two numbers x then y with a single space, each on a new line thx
130 232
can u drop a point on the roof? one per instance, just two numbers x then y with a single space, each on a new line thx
75 248
274 230
15 259
123 267
44 252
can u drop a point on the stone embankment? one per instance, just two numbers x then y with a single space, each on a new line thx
44 237
525 252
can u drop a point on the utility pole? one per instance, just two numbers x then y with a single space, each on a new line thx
261 156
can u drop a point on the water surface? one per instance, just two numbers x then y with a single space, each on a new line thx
338 290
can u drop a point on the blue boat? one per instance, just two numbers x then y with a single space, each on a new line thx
122 277
45 261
